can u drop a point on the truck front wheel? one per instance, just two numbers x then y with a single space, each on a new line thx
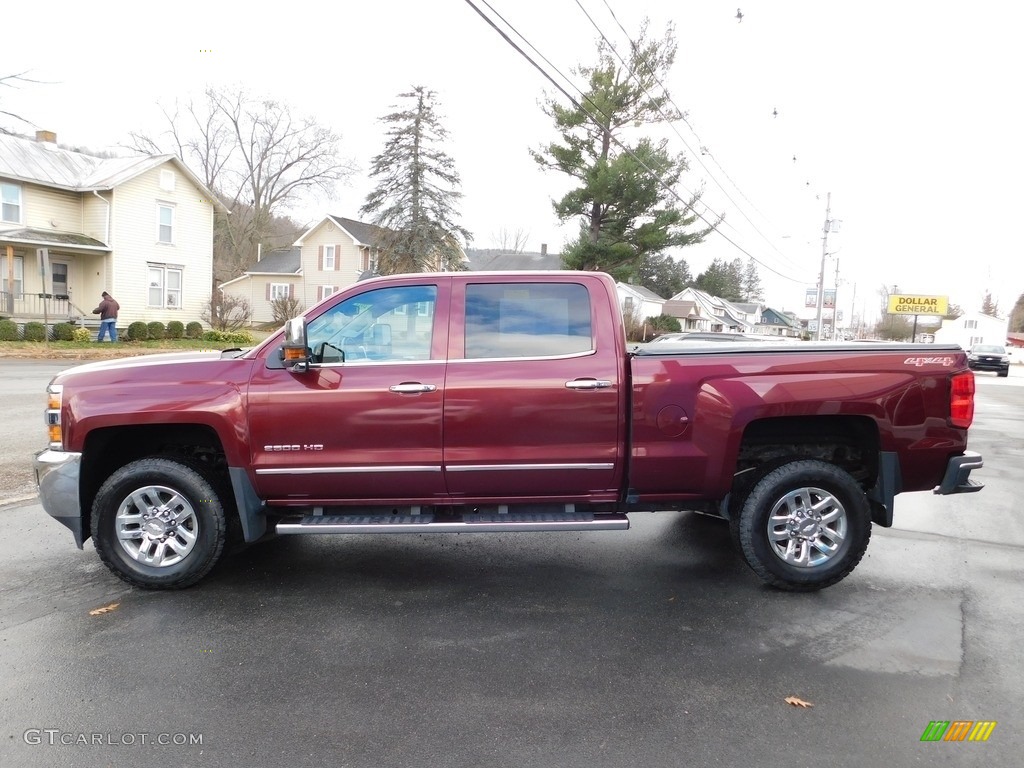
158 524
804 525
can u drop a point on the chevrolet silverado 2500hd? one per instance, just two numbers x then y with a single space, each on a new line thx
481 402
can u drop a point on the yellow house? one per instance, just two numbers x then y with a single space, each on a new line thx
332 254
73 225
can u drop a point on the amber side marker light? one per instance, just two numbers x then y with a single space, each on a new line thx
961 399
54 398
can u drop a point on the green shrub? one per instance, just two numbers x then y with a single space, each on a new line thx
63 332
156 330
194 330
175 329
8 330
35 332
229 337
81 334
138 331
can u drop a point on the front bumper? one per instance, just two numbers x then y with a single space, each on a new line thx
957 478
988 365
57 474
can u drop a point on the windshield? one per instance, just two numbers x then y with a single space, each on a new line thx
988 349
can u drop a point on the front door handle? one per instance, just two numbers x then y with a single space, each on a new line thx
412 388
588 384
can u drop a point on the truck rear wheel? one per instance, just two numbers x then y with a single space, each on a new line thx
804 526
158 524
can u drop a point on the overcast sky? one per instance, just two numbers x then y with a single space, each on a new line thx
908 112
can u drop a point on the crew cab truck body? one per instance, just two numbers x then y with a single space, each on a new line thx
480 402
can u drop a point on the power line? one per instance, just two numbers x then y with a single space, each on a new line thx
614 139
682 115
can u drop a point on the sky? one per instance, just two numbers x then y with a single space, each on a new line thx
902 114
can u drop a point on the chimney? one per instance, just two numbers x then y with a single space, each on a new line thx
543 249
46 137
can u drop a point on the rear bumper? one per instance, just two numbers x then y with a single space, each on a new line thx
957 478
57 475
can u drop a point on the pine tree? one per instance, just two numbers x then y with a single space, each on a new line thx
721 280
664 275
989 306
1017 316
627 213
751 283
415 200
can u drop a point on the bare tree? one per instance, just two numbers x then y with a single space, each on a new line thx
257 156
285 308
226 313
511 240
12 81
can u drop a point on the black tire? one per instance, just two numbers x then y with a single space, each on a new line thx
181 532
1004 374
802 550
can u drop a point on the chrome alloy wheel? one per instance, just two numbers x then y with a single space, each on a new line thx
807 527
156 526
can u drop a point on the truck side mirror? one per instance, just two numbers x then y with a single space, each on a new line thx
295 351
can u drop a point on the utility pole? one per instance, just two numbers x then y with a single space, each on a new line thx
821 274
835 306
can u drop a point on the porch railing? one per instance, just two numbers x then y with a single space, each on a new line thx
30 306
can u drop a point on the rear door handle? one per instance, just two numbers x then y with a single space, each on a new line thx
412 388
588 384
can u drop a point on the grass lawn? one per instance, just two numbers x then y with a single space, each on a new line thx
92 349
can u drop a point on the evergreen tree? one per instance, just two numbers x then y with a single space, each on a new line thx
622 200
953 312
664 275
751 283
415 200
1017 316
721 280
989 306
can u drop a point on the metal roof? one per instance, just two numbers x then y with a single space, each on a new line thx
49 165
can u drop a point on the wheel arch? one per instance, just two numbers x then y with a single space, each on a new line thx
109 448
852 443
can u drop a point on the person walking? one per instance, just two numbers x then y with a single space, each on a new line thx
107 310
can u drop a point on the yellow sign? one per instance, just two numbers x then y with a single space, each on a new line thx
918 305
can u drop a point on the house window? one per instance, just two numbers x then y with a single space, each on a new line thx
166 224
365 264
280 291
167 181
19 276
323 291
10 203
328 260
165 286
970 324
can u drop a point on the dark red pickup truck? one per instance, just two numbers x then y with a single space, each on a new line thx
481 402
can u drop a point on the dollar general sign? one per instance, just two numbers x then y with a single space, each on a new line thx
918 305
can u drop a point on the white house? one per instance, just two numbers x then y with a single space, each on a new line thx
637 299
138 227
972 328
